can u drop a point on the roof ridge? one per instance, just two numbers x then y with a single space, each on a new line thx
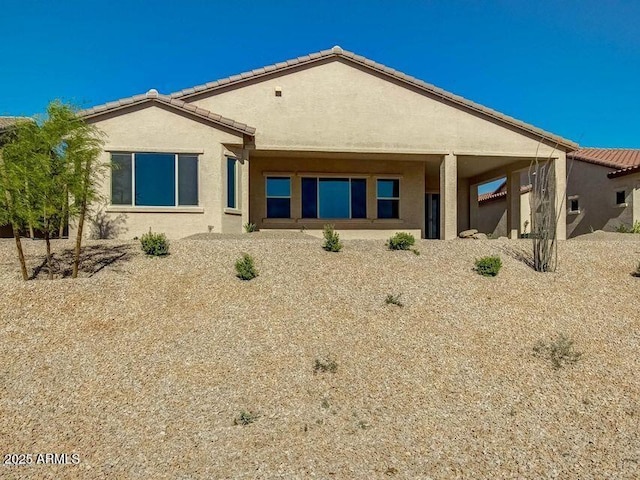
338 52
154 96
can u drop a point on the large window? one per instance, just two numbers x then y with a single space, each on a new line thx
154 179
388 196
232 182
334 198
278 197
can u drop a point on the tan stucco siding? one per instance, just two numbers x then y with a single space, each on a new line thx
597 198
411 175
336 106
155 129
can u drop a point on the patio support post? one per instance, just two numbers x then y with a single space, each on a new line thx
464 213
635 206
244 187
513 205
474 206
560 178
449 197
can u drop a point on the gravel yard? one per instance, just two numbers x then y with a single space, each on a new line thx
142 365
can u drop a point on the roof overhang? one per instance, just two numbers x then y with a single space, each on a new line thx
152 97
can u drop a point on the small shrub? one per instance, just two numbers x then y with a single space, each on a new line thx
245 267
155 244
325 365
245 418
560 351
401 241
331 239
635 228
250 227
488 266
394 300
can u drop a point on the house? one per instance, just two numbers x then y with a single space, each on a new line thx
492 218
330 137
603 193
603 189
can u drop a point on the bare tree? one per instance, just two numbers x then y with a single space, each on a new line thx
544 213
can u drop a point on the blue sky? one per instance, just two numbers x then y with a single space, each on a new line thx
570 67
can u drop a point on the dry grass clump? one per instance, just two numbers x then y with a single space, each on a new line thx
560 351
325 365
245 418
394 300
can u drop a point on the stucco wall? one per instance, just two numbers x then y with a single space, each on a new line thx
336 106
156 129
412 180
597 198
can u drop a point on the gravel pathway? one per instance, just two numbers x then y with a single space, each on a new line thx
142 365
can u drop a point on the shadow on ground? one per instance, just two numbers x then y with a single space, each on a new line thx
93 259
520 253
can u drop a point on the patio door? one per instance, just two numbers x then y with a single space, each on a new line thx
432 215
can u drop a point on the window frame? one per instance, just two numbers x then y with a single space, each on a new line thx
396 199
267 196
573 198
176 182
236 183
349 178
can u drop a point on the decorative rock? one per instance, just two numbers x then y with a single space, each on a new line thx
468 233
480 236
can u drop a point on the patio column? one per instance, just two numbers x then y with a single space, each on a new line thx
635 206
464 212
244 187
560 179
513 205
474 206
449 197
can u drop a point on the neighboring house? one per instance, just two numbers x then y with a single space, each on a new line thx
330 137
6 123
493 209
602 193
603 189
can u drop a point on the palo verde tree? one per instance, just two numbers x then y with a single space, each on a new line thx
16 201
52 166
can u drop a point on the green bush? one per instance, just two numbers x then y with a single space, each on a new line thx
488 266
246 268
155 244
401 241
250 227
331 239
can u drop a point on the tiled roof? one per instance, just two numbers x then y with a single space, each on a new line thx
154 96
378 67
501 192
624 160
6 122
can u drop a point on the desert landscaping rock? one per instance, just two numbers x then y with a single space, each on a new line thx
480 236
468 233
141 365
